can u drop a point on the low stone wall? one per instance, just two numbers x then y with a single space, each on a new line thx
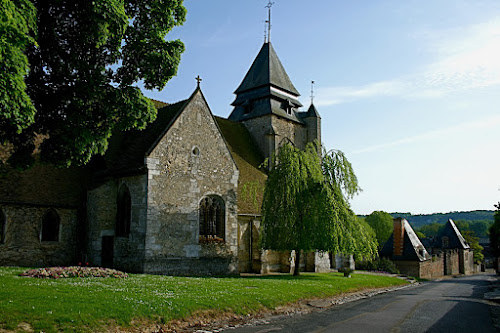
410 268
431 269
276 261
318 262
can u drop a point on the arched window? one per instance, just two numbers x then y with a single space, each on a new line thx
3 226
212 219
50 226
123 212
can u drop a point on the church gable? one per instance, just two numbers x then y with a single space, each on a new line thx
191 174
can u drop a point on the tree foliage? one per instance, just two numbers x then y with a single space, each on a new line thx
338 172
382 224
303 211
17 31
473 242
431 230
495 233
88 56
423 219
479 227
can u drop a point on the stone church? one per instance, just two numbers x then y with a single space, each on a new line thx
181 197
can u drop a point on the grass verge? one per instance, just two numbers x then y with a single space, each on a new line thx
95 304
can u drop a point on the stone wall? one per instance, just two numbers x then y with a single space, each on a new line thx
261 127
313 129
277 261
318 262
190 162
286 129
451 262
410 268
23 245
466 261
431 269
128 251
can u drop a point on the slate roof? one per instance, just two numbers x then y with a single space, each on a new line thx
127 150
413 249
311 112
265 89
266 70
455 238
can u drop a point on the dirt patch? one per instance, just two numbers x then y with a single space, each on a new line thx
22 327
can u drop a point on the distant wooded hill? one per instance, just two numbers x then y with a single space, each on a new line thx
441 218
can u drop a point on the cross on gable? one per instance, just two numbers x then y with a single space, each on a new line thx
198 79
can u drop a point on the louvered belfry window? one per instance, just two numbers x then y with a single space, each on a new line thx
212 218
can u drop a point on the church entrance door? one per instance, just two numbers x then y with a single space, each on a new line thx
107 251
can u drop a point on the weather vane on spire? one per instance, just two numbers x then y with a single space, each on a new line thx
312 91
269 5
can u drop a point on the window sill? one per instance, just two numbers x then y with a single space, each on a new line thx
210 239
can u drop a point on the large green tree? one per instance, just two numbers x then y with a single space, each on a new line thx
382 223
495 234
303 211
84 67
17 32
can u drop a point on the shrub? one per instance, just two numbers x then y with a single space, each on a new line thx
379 264
73 271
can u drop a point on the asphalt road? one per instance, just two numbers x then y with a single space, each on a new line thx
450 305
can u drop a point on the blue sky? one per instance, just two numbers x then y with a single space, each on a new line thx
409 90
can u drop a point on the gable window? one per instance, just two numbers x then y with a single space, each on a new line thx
123 212
3 226
212 219
50 226
445 242
287 106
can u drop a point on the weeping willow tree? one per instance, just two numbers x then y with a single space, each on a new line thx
305 206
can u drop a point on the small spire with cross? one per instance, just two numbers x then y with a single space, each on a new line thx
268 6
198 80
312 91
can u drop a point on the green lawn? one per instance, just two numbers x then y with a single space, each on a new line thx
90 304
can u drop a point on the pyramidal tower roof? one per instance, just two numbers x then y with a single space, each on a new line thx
312 112
267 70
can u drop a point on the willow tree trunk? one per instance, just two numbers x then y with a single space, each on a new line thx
296 269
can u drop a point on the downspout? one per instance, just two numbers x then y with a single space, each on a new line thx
250 251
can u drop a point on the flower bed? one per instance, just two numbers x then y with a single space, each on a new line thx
73 271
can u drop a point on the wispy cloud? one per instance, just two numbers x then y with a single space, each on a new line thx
466 59
466 127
